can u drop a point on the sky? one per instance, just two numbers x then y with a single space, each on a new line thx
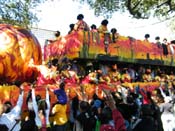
59 14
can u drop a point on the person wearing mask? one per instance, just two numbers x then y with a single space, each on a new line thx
159 45
114 35
11 117
165 47
71 26
147 36
103 29
81 24
57 35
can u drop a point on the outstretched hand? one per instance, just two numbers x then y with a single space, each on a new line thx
109 100
22 87
32 86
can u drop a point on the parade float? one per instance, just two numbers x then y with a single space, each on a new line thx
21 61
18 47
88 47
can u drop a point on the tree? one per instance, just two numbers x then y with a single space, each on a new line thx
18 12
137 8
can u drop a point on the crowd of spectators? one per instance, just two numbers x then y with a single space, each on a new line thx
125 109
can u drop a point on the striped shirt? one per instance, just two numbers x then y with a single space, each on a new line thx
9 119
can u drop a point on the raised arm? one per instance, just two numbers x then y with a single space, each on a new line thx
48 107
35 107
16 111
116 115
161 90
47 98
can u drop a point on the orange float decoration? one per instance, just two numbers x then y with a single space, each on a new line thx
17 47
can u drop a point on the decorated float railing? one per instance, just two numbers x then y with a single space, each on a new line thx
92 45
11 92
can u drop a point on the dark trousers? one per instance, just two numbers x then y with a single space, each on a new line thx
59 127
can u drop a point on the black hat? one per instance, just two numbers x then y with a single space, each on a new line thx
104 22
71 26
157 38
113 30
80 17
93 26
147 35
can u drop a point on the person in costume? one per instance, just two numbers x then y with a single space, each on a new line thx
165 47
159 45
147 76
57 35
147 36
103 27
95 35
71 26
47 73
114 35
125 77
94 28
70 76
115 74
81 24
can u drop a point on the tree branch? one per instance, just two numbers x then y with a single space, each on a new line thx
136 5
131 9
168 2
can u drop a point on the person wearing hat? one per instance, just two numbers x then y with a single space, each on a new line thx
94 32
58 35
81 24
59 110
147 36
71 26
114 35
103 28
159 45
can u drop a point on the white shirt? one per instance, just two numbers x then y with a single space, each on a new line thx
9 119
35 107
